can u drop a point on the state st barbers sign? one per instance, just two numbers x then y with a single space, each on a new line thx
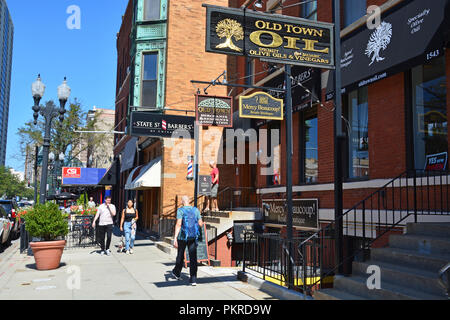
152 124
305 213
272 37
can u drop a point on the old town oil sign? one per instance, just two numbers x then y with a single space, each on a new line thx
272 37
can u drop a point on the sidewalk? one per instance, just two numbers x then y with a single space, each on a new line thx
145 275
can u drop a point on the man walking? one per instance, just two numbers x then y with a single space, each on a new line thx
187 232
106 213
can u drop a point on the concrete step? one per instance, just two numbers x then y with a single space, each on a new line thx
169 249
357 285
432 229
333 294
217 214
408 258
413 279
168 240
422 244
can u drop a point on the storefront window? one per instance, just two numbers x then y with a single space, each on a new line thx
353 10
429 105
152 10
150 80
358 142
310 10
275 153
311 158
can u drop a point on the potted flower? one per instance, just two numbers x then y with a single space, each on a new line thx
47 223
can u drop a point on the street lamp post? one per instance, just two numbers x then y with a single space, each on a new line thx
48 112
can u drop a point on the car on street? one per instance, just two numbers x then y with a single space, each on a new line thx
11 209
5 229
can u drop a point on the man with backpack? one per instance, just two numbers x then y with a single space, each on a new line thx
187 233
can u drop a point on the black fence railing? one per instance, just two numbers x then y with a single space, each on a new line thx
230 198
310 263
294 263
166 227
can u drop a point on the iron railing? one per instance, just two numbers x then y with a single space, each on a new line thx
166 227
81 233
230 198
384 211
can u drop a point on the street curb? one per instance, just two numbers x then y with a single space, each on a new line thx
270 288
14 248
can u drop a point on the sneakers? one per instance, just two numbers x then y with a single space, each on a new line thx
131 251
193 281
175 276
127 252
108 252
102 253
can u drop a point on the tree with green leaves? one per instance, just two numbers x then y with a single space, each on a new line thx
64 138
11 186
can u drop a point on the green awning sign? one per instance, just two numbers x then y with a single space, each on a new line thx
261 105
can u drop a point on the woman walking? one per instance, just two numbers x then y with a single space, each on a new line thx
128 224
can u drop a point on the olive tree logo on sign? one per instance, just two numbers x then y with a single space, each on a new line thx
228 29
74 20
379 40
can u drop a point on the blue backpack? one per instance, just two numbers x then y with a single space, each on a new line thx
189 227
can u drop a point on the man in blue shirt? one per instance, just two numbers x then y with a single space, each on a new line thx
181 241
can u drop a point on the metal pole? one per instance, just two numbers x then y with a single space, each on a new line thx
338 141
43 191
196 151
289 165
35 175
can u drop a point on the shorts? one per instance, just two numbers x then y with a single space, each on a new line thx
214 190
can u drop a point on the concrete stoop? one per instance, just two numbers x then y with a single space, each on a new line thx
409 268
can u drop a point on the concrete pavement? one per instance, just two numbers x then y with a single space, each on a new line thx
145 275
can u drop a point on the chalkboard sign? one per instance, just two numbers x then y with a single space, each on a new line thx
204 185
248 227
202 248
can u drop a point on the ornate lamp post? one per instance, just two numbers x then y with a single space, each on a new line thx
48 112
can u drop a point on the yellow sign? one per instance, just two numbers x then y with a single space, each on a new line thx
261 105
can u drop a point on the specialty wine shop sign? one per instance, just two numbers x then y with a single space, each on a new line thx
272 37
214 111
305 212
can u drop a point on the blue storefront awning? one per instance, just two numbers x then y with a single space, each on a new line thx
88 177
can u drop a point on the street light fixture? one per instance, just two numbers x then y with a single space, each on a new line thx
258 4
48 112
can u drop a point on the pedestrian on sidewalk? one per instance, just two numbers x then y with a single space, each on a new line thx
187 232
212 205
128 225
105 213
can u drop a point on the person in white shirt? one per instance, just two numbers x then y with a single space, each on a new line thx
91 203
105 213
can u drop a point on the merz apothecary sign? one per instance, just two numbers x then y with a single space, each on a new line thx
271 37
305 212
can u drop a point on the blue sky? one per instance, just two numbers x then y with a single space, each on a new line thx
43 44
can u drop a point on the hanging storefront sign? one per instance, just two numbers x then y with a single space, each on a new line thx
302 78
214 111
260 105
159 125
71 173
411 33
305 212
275 38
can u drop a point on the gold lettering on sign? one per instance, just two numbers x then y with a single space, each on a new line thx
255 37
309 46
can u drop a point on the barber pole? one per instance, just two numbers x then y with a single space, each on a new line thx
164 125
190 169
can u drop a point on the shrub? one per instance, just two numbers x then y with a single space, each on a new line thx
46 221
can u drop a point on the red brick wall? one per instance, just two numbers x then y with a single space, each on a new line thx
387 133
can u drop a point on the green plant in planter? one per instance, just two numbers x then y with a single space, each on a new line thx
46 221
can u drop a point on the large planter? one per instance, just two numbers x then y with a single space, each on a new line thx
47 254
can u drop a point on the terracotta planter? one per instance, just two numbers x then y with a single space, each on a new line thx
47 254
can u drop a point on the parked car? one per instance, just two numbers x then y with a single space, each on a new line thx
11 209
5 228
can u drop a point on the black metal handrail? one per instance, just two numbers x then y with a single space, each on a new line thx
311 257
228 200
398 199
